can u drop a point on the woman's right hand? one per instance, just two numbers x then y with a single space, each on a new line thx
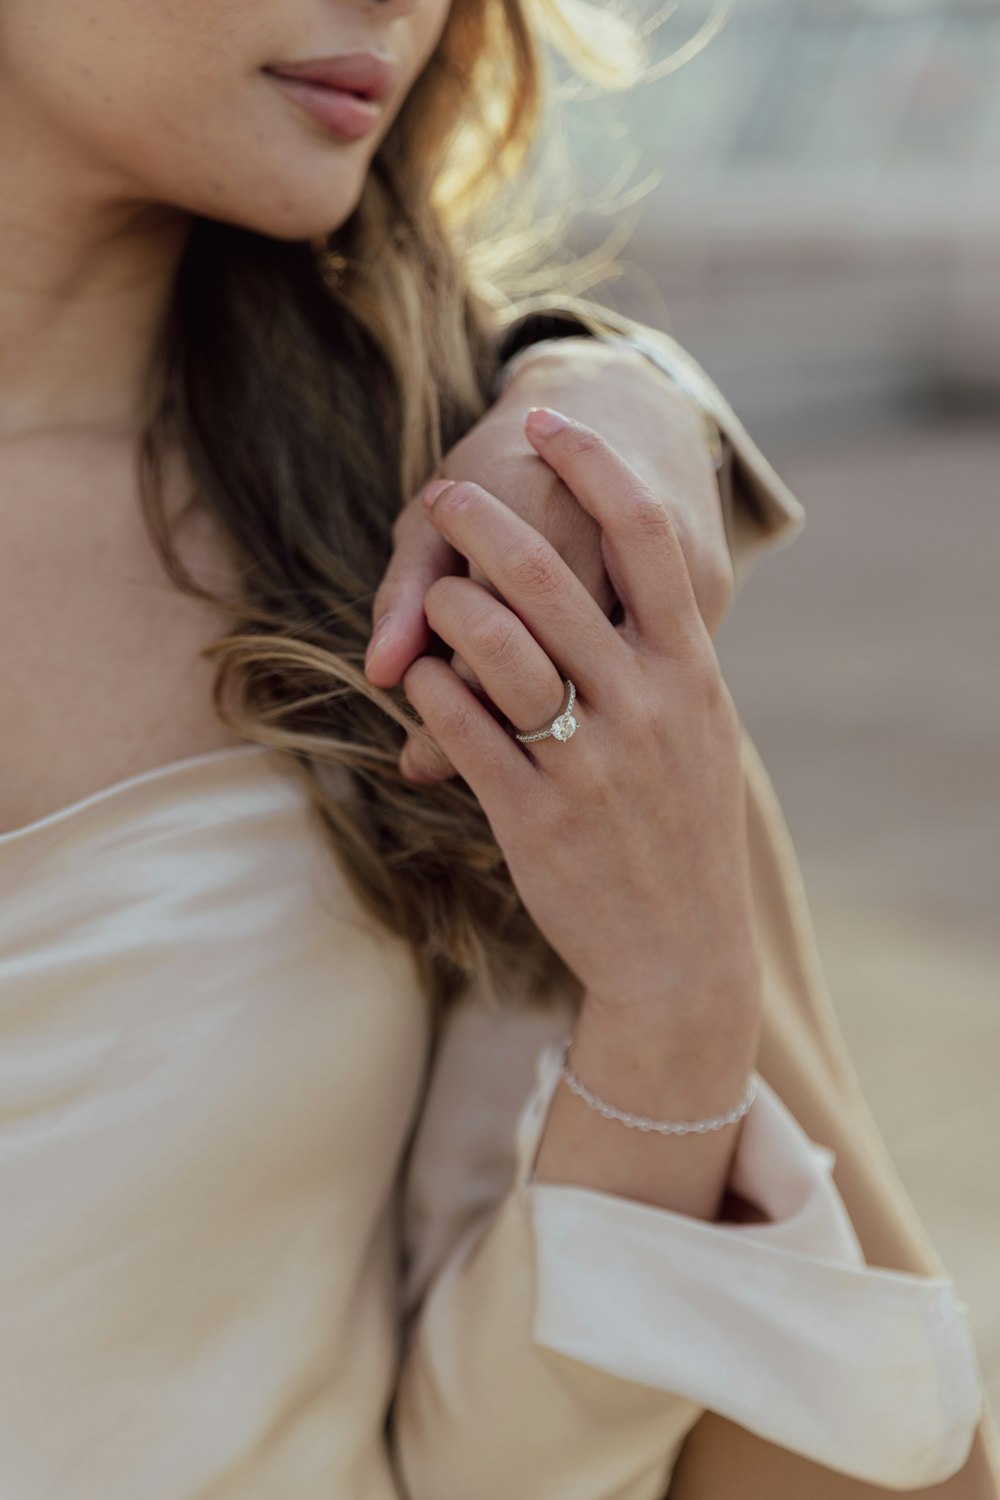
628 843
645 417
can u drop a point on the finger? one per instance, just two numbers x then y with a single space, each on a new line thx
424 762
480 749
420 765
419 761
531 579
515 672
642 553
399 631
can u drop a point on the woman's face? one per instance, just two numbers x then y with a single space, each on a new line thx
171 101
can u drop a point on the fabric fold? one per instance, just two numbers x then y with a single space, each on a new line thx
779 1326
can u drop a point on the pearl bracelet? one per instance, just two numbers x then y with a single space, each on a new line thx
640 1122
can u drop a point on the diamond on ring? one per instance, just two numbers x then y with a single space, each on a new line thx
563 726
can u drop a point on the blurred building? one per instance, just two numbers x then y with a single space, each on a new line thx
825 229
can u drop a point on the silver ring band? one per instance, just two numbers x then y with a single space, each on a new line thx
563 725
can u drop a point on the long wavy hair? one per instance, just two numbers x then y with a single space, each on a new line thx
311 388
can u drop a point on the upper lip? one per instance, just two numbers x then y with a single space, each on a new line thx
370 74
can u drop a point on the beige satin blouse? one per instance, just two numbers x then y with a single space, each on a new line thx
246 1255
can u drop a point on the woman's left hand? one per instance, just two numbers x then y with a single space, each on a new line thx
626 842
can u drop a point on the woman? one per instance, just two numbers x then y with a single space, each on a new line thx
215 1036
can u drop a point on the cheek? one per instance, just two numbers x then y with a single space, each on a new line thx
105 73
426 26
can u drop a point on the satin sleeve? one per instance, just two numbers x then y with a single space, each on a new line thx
560 1342
760 512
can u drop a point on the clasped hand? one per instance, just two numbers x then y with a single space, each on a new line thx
627 843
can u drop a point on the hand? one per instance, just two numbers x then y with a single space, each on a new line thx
627 843
645 416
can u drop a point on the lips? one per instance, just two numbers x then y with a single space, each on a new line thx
342 93
367 75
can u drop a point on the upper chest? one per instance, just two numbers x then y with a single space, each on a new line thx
102 676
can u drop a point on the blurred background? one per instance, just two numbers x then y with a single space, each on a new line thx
823 233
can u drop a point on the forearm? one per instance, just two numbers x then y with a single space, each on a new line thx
659 1066
657 425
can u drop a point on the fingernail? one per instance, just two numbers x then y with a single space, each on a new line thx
435 488
378 638
545 421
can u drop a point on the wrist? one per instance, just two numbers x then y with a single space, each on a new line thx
561 358
689 998
651 1070
570 360
703 1017
609 387
657 1064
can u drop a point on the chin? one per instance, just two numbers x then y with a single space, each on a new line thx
299 222
286 209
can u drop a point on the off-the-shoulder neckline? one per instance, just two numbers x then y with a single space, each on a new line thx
127 783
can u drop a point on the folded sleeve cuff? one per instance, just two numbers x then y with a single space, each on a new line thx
760 512
779 1326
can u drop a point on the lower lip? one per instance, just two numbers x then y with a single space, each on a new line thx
342 113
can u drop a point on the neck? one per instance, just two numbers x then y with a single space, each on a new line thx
85 277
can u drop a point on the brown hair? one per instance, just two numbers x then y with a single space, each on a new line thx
311 387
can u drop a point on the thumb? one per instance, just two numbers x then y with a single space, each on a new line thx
399 628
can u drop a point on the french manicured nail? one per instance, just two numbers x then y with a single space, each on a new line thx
435 488
378 638
544 421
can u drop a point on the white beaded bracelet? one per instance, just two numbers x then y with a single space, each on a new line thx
640 1122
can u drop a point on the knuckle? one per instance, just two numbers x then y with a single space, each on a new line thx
648 518
493 640
533 565
582 442
456 722
455 500
440 593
